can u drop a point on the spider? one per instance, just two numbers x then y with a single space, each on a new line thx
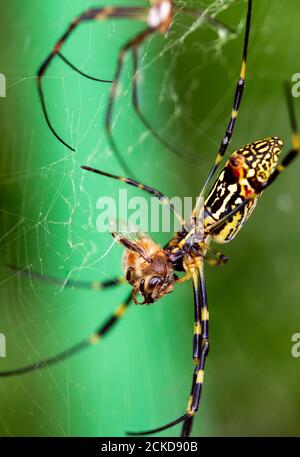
158 17
153 271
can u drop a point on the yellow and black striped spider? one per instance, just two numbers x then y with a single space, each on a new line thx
158 17
152 270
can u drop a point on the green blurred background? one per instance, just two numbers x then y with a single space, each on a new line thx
140 375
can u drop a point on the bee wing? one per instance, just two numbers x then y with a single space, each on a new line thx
131 237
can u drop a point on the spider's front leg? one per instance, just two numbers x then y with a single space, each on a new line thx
239 90
67 282
91 340
93 14
200 344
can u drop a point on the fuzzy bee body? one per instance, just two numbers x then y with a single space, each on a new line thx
151 278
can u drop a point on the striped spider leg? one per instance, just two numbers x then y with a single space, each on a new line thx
94 338
69 283
158 16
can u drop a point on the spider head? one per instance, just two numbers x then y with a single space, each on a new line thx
256 162
149 271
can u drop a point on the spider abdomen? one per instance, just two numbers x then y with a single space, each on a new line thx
243 175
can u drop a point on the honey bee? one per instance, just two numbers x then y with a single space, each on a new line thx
146 267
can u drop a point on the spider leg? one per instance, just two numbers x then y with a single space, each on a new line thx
200 346
134 183
135 42
294 152
96 285
135 101
187 427
94 14
89 341
67 61
214 257
200 351
236 103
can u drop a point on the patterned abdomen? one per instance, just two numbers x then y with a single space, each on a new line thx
247 169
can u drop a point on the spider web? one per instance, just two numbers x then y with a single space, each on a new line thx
48 211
